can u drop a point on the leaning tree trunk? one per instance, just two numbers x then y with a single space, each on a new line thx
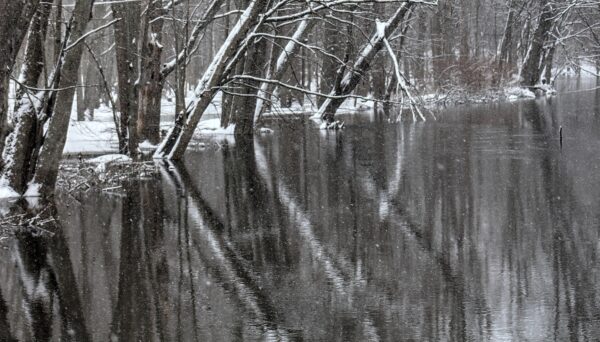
176 142
16 16
532 67
361 66
46 170
392 86
26 136
278 70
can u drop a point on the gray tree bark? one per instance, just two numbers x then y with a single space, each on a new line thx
15 18
126 37
255 66
26 136
533 64
150 81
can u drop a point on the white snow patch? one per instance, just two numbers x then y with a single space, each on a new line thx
381 26
213 126
33 202
265 130
33 190
104 161
547 88
147 146
108 158
7 192
333 126
515 93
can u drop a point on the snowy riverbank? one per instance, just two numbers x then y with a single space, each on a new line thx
98 136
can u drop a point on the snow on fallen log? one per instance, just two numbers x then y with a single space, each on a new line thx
516 93
102 163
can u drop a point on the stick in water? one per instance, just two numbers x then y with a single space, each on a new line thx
560 135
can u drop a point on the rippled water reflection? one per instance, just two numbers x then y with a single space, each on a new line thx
475 227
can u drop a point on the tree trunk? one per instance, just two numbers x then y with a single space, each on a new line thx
420 64
255 66
332 44
80 97
92 91
504 61
151 81
532 67
153 75
548 63
16 16
361 66
54 141
437 49
279 68
57 31
378 73
392 86
390 89
26 136
233 102
226 99
464 42
181 69
126 38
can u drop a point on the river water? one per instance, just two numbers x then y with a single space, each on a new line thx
477 226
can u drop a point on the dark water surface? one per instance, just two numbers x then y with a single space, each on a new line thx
475 227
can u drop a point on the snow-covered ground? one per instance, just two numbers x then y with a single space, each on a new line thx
99 136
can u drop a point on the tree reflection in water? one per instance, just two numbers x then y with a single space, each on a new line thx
45 283
475 227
